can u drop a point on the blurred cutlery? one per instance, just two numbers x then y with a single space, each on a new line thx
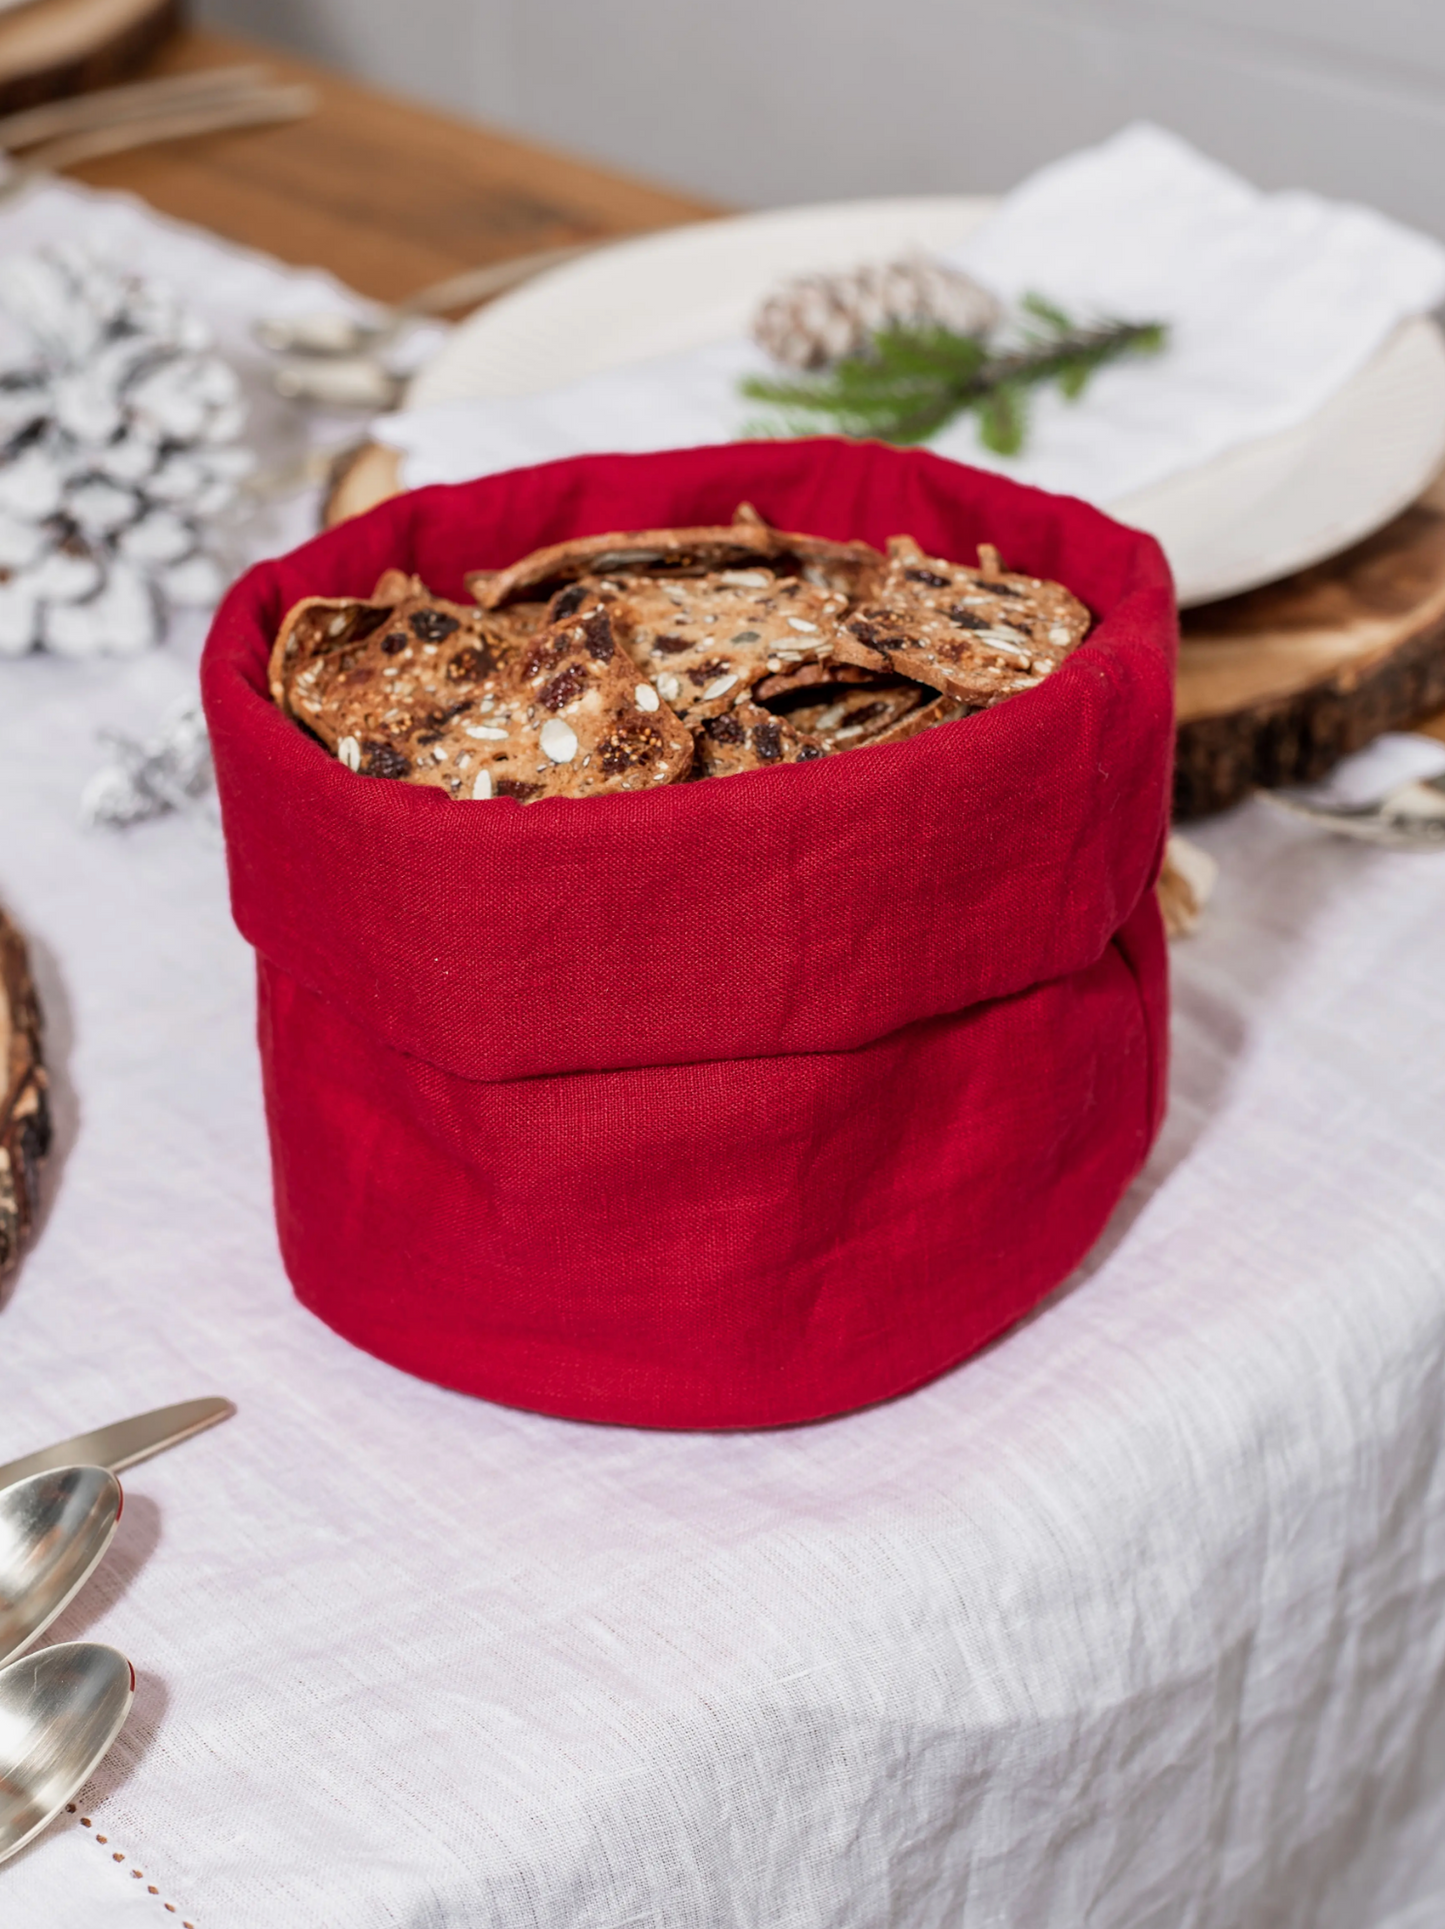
1409 818
350 382
257 107
334 335
106 106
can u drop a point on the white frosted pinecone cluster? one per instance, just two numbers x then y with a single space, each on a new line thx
815 320
170 771
118 445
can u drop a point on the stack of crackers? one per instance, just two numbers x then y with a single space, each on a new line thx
624 661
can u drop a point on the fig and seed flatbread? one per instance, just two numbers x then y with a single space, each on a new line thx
572 718
378 682
746 542
852 567
628 660
808 676
621 554
975 634
704 642
560 712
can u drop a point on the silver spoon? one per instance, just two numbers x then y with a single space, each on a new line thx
54 1528
60 1710
342 382
1409 818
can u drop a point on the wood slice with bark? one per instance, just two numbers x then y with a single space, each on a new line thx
24 1106
1277 685
53 48
359 480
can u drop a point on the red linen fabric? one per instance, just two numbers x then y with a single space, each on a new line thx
733 1103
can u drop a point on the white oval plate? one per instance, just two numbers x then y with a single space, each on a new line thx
1250 516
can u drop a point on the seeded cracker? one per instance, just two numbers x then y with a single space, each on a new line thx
853 567
976 634
625 661
571 719
809 676
747 542
623 553
845 717
704 642
378 683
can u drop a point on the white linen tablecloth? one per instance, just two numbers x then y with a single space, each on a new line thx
1133 1621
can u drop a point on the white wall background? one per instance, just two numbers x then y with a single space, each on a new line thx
760 102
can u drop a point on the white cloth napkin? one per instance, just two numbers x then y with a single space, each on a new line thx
1273 302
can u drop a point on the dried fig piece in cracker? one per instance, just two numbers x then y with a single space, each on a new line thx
977 634
748 737
705 642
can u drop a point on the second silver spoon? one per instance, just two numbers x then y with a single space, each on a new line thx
60 1710
54 1528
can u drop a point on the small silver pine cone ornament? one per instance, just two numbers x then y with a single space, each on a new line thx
118 446
815 320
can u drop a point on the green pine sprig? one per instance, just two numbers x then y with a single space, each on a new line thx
911 382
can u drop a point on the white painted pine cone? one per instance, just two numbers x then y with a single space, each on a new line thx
118 444
818 319
121 619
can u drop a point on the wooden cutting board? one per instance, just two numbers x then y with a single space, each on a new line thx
1274 686
50 48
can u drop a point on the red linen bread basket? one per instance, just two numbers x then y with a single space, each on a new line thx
731 1103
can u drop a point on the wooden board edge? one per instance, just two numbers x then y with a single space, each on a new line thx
24 1107
111 59
1297 739
359 481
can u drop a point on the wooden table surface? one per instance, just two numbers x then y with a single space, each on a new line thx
386 194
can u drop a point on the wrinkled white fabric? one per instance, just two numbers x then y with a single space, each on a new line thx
1273 302
1135 1621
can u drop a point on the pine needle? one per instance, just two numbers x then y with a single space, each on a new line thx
911 382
